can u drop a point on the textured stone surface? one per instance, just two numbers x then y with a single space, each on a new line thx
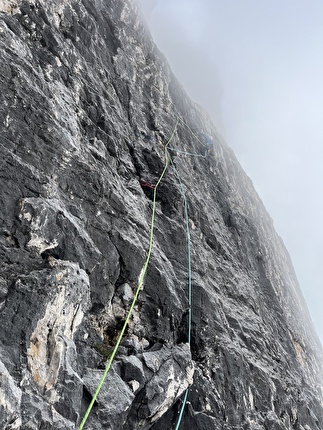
87 103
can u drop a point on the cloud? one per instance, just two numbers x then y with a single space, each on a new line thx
180 42
147 7
257 68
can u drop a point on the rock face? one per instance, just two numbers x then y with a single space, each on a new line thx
87 104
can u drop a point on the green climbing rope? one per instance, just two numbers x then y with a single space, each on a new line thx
168 160
140 283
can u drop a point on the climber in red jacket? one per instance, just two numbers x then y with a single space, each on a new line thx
146 184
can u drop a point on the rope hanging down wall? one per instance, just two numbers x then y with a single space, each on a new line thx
168 160
189 268
140 283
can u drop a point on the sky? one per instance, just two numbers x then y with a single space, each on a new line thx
257 68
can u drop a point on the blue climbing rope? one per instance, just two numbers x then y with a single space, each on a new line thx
189 269
168 160
182 410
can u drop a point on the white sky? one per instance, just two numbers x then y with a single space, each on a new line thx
257 67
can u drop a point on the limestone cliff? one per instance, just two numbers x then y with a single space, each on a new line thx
87 105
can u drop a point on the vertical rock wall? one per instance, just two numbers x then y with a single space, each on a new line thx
87 104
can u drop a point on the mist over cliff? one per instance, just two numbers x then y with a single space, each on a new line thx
94 125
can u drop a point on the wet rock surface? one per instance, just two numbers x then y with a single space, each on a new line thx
87 104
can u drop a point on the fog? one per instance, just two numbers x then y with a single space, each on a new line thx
257 67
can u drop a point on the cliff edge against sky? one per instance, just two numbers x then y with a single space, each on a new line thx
87 106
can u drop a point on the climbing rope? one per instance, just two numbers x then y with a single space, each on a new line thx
192 132
182 410
189 280
140 283
207 147
189 269
187 153
168 160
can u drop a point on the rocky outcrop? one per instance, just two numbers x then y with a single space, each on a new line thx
87 106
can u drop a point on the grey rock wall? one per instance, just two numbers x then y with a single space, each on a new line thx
87 103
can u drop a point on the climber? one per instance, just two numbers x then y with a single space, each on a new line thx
146 184
148 137
208 140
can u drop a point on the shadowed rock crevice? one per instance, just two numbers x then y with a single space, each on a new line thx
87 105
